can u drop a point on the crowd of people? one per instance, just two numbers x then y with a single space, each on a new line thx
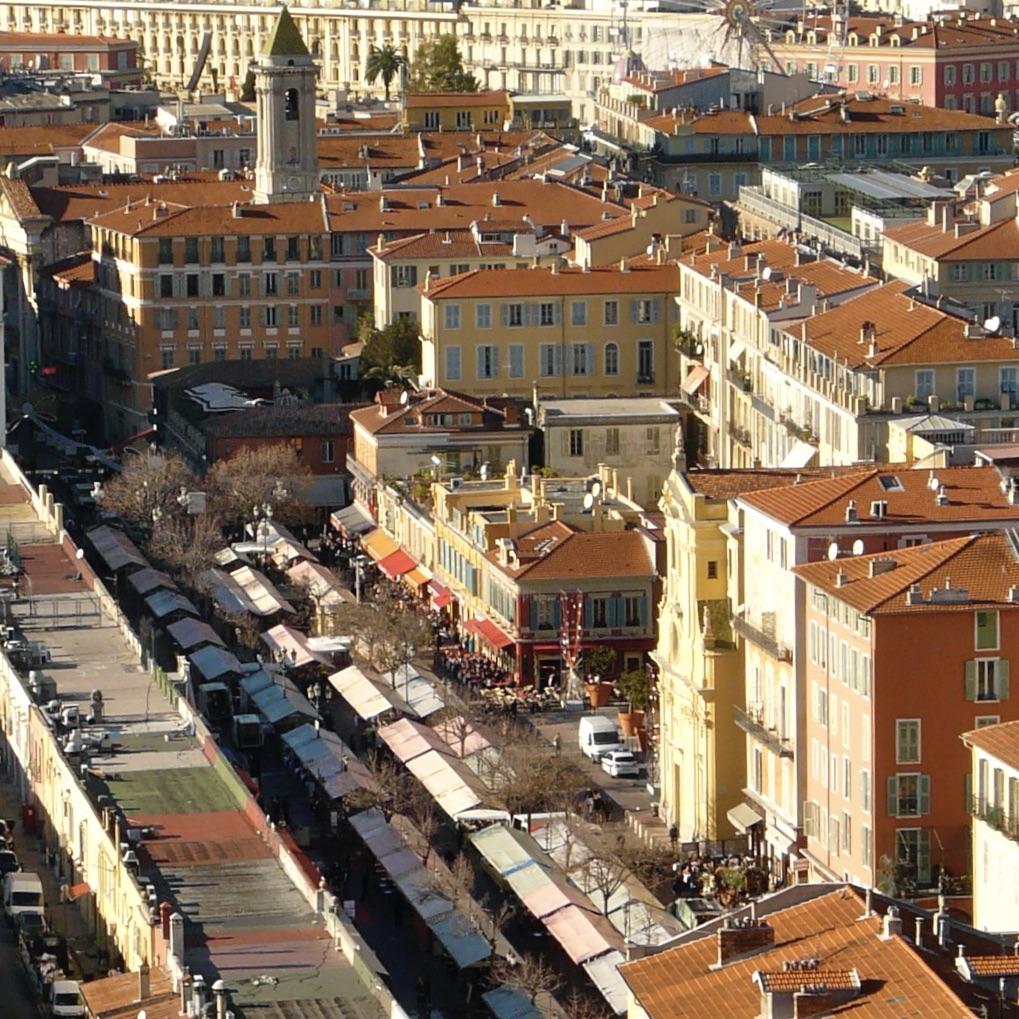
471 668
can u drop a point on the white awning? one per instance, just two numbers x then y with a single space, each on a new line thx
799 456
462 941
743 817
508 1002
438 775
359 692
736 351
407 739
604 974
694 379
501 850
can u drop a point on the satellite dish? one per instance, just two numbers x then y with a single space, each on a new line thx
588 502
993 324
933 484
699 349
766 275
596 490
858 546
833 551
403 398
80 554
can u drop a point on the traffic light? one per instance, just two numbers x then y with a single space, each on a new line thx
33 367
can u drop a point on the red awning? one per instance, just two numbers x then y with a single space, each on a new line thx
488 632
396 564
77 891
119 447
440 594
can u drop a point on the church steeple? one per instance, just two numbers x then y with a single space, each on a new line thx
286 168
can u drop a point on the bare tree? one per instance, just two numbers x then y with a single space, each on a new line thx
421 812
530 975
493 918
185 545
605 874
534 779
388 634
147 492
581 1006
389 791
272 474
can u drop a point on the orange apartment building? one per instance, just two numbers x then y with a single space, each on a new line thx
905 651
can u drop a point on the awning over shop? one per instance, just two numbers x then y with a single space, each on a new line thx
444 783
214 662
144 581
488 632
246 590
397 563
416 578
115 548
164 603
461 737
463 942
319 581
418 694
736 351
743 817
576 934
360 693
800 455
352 520
285 640
694 379
189 633
604 974
276 698
378 545
408 739
510 1003
501 850
440 594
78 891
544 899
328 760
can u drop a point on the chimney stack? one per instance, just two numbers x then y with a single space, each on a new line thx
740 937
219 993
198 990
918 937
177 938
143 982
891 926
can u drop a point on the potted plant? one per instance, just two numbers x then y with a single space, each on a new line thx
597 661
636 688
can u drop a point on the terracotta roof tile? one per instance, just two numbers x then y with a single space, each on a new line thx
443 244
411 210
908 332
993 965
20 197
61 41
77 271
796 979
660 81
896 979
981 565
974 496
542 282
42 141
393 418
436 100
556 550
997 241
1001 740
108 137
723 483
948 33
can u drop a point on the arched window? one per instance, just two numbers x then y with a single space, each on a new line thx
291 105
611 358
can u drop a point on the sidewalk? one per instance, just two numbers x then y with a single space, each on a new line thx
63 917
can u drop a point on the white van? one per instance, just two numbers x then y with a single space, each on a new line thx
598 735
65 999
22 894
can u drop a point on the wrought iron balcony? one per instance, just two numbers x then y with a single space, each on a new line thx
780 652
753 725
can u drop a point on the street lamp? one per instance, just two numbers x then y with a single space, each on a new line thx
359 564
262 515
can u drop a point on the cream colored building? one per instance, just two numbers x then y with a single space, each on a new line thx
573 333
702 757
635 438
994 804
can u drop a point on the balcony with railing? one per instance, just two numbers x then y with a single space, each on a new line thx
996 817
766 641
752 723
755 202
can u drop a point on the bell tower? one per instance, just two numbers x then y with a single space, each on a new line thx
286 168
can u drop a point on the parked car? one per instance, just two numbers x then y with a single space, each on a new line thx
8 862
620 764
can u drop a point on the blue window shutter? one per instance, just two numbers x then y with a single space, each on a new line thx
613 601
557 356
654 310
557 614
590 359
557 314
643 610
504 313
588 613
495 361
633 310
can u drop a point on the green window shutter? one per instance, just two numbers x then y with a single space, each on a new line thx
1003 678
924 793
893 796
557 314
971 680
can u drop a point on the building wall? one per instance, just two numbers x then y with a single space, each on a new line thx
470 115
626 335
312 448
702 754
995 851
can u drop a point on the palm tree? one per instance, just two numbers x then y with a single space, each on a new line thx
385 63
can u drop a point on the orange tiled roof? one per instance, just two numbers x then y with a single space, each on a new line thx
444 244
165 219
947 32
1001 740
435 100
556 550
998 241
60 41
412 210
795 979
108 137
660 81
974 496
723 483
42 141
20 197
981 564
993 965
397 418
77 271
542 282
896 979
908 332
